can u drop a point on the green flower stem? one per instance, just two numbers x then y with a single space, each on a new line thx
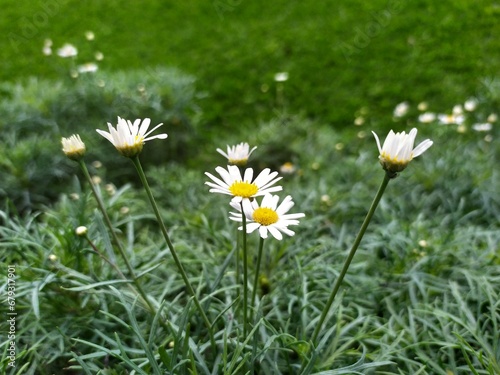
256 279
177 261
347 262
245 272
103 257
115 237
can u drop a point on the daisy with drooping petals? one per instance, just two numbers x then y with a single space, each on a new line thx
128 137
268 217
243 188
398 151
237 155
73 147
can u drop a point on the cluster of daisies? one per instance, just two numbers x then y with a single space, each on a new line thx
460 115
270 216
68 51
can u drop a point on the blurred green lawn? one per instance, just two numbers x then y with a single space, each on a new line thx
341 55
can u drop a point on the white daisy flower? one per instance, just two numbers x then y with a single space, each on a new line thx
427 117
73 147
485 127
243 188
398 151
457 110
471 104
237 155
128 137
281 77
422 106
67 50
451 119
401 109
492 118
87 68
89 35
268 217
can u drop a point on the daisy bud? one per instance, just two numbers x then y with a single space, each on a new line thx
73 147
81 231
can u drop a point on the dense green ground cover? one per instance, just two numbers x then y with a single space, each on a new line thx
421 296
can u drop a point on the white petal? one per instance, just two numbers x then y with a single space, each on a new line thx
234 172
285 205
262 231
216 180
222 153
248 175
275 233
159 136
226 176
252 226
152 130
422 147
144 127
378 142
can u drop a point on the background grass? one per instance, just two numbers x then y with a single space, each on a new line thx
341 56
422 294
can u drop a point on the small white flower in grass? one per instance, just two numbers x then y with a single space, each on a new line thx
99 56
81 231
281 77
89 35
87 68
423 106
485 127
401 109
237 155
457 110
398 151
67 50
268 217
73 147
243 188
47 47
427 117
471 104
492 118
129 137
451 119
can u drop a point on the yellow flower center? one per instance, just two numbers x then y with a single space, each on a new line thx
265 216
243 189
393 164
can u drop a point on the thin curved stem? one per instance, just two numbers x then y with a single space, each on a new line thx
177 261
348 260
256 279
245 272
118 244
